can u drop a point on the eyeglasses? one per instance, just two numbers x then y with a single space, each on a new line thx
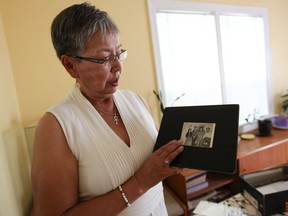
121 57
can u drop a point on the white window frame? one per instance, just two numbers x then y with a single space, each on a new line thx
185 6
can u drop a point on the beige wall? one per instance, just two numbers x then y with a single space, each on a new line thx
32 78
41 81
15 195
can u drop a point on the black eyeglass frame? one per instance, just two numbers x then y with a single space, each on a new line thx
121 56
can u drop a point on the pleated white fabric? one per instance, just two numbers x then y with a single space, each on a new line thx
104 160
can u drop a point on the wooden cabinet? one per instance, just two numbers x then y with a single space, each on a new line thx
177 183
252 155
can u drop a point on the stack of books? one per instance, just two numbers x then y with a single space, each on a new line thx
196 182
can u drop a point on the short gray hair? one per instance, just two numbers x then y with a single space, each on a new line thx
72 28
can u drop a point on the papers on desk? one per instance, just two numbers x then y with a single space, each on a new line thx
273 187
234 206
205 208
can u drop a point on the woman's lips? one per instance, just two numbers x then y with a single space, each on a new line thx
115 83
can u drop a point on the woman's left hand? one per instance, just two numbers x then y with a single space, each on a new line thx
157 166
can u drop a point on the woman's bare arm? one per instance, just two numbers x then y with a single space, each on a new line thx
55 176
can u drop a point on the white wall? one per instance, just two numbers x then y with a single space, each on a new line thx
15 192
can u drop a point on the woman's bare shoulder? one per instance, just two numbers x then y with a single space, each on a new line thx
54 169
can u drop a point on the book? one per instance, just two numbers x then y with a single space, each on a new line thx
196 180
197 187
209 134
192 173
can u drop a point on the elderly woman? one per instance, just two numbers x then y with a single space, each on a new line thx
93 151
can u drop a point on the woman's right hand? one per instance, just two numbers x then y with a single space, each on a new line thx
156 167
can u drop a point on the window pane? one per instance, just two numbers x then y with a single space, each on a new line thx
189 58
213 53
244 63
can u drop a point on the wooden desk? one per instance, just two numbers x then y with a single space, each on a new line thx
253 155
263 152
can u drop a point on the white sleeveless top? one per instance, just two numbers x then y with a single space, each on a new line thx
104 160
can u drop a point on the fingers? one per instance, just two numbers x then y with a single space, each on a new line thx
157 166
169 151
166 161
170 147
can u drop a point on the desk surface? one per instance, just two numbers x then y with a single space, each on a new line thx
246 147
263 152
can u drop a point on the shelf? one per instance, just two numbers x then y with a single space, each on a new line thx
177 183
215 181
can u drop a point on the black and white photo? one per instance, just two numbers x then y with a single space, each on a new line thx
198 134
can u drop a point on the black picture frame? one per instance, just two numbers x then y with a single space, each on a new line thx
220 155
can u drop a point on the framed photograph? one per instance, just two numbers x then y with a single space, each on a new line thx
209 134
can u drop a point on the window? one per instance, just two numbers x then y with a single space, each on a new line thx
214 54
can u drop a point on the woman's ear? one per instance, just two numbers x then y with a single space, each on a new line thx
68 62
